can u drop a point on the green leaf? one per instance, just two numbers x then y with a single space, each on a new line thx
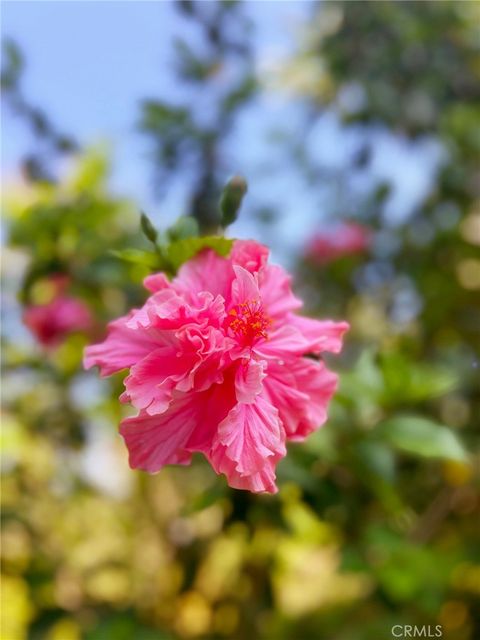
136 256
363 386
375 459
184 227
206 499
182 250
409 381
422 437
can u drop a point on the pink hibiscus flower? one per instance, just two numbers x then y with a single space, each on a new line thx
217 365
346 239
52 322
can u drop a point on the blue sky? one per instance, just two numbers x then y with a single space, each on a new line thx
89 64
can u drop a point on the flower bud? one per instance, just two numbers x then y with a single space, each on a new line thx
231 199
148 229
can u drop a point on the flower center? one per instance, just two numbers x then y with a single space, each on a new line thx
248 321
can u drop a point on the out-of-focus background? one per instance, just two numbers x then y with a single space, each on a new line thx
357 127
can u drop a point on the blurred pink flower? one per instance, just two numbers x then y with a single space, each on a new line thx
52 322
347 238
217 365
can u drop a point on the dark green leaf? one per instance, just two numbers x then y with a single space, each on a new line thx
422 437
376 459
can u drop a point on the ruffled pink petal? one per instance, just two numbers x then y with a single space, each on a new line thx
152 380
195 362
187 426
249 436
205 351
166 310
207 271
163 310
121 348
214 406
320 384
154 441
258 482
156 282
284 341
301 390
248 379
244 287
249 254
283 392
276 293
322 335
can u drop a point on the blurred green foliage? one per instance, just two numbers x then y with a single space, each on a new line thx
376 522
50 141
